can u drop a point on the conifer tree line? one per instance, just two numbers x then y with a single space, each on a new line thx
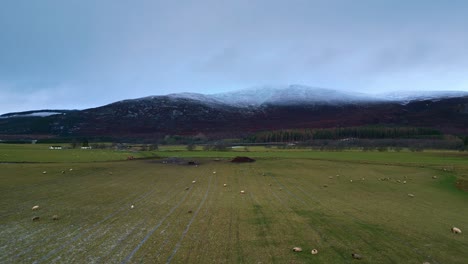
295 135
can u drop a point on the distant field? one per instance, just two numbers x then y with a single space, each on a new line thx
42 153
335 202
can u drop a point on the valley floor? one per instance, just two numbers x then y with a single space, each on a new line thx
338 207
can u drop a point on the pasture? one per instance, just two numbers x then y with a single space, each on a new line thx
336 202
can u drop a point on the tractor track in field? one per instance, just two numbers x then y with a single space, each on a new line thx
110 226
65 230
239 250
122 239
184 233
163 244
207 225
231 213
95 225
260 215
128 199
150 233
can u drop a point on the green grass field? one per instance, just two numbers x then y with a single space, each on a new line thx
334 202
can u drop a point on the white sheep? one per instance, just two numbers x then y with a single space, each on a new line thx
456 230
194 181
297 249
44 172
36 207
132 206
224 185
411 195
314 251
242 192
214 172
356 256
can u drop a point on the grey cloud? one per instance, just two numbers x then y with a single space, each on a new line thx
126 49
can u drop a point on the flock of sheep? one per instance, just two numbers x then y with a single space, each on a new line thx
37 218
454 230
37 207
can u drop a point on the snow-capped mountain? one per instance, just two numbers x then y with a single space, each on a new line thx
281 95
241 112
407 96
305 95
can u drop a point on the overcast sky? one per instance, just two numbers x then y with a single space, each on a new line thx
75 54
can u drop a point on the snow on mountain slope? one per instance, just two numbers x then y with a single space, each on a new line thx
304 95
32 114
406 96
207 99
280 95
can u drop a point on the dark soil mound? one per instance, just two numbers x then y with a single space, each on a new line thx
242 159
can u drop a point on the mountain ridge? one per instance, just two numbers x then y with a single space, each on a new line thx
231 116
288 95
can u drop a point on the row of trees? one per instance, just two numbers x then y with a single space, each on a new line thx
300 135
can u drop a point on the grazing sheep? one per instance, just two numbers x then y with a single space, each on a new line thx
36 218
214 172
356 256
426 262
404 182
434 177
297 249
63 172
71 169
314 251
242 192
132 206
55 217
398 181
411 195
456 230
330 177
194 181
224 185
350 180
44 172
36 207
